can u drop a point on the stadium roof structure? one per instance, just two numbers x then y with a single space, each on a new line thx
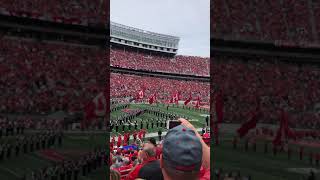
134 37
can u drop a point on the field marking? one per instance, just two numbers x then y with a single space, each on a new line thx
38 156
78 138
10 171
303 170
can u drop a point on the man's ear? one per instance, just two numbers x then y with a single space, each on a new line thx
161 161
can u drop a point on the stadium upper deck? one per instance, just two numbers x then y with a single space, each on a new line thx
138 38
187 65
138 49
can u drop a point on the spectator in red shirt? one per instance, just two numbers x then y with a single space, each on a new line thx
153 144
125 167
147 166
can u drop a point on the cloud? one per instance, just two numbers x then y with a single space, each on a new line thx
187 19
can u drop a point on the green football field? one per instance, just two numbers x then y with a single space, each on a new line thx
259 165
74 145
196 116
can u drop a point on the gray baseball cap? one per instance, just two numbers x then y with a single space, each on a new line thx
182 149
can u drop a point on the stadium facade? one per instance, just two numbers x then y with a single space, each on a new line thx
138 38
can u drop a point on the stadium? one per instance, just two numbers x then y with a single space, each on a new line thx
50 69
266 89
150 85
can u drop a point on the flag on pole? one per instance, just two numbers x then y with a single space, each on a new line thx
100 102
155 97
151 99
283 130
171 100
140 94
179 95
252 123
95 108
198 102
188 100
176 98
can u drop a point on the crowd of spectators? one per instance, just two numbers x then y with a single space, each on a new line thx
22 144
73 169
266 132
38 77
167 159
190 65
122 85
19 124
272 84
81 12
287 20
219 174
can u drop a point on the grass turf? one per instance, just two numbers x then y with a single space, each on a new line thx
258 164
196 116
73 146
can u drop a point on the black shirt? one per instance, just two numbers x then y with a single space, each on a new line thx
151 171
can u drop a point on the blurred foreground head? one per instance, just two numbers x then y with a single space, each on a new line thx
181 154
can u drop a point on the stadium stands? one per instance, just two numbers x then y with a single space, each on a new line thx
139 75
28 122
273 84
219 174
87 164
129 161
48 76
51 66
268 20
122 85
81 12
141 61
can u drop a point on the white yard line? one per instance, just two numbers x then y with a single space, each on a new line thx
10 171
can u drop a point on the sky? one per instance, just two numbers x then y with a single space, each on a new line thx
187 19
